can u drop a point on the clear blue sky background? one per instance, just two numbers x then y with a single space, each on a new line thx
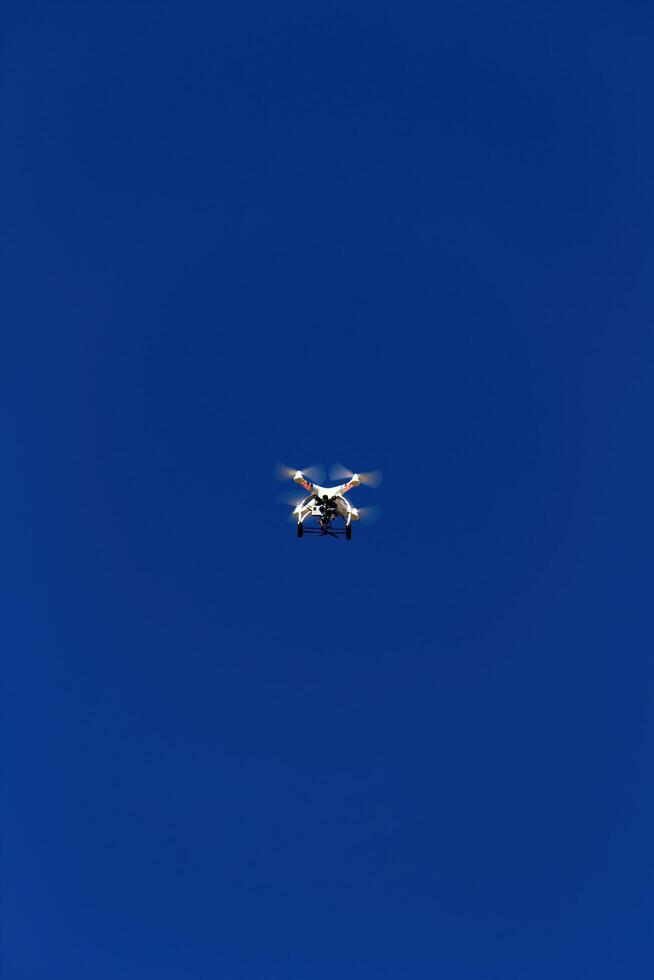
416 237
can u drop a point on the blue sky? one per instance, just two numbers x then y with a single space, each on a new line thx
416 238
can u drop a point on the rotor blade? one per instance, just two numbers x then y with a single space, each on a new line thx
368 515
372 478
339 472
314 473
288 497
283 472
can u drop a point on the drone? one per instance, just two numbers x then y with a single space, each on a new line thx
326 505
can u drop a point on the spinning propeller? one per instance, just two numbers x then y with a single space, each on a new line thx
368 515
339 472
292 498
314 473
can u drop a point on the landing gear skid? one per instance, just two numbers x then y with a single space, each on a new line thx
324 532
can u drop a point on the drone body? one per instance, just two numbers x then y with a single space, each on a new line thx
328 505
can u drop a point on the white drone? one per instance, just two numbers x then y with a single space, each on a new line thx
327 504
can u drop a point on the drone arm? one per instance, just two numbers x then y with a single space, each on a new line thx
354 482
302 480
